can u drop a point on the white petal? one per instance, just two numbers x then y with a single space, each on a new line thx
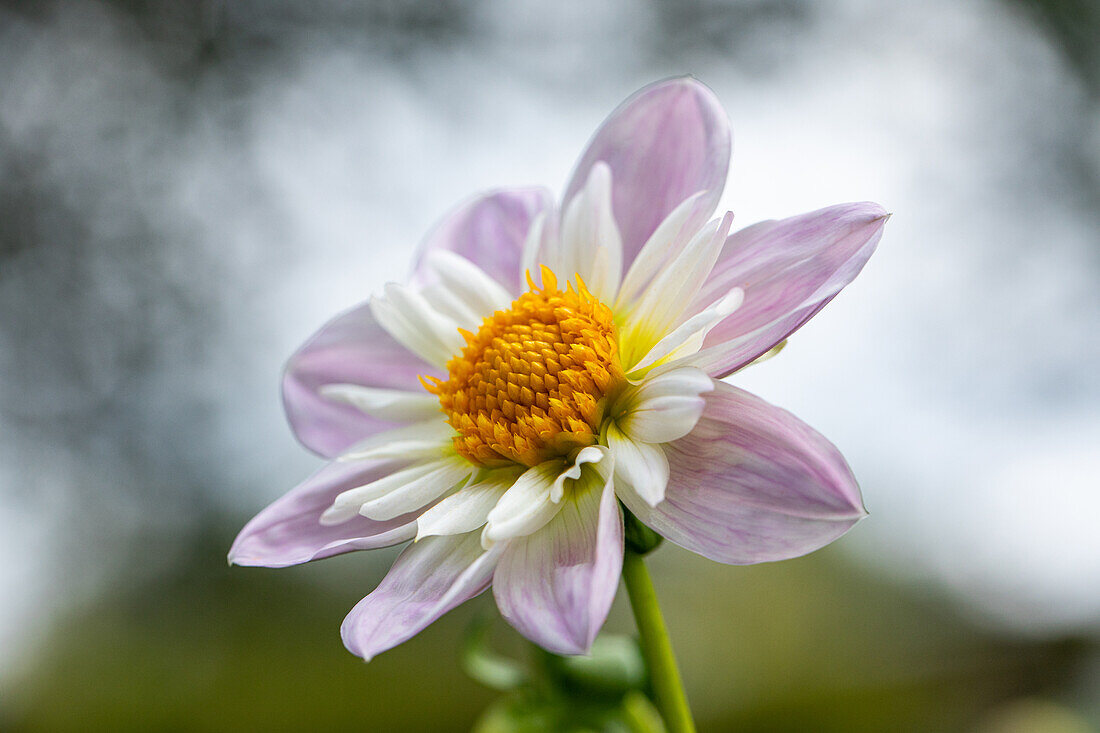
468 508
428 439
480 293
688 337
677 381
425 448
643 467
445 300
590 244
666 406
661 306
536 496
417 494
416 324
395 405
525 507
346 504
398 492
539 240
666 242
665 419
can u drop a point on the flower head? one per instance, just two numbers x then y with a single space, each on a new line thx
546 364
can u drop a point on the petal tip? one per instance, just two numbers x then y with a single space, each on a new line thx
875 213
687 82
355 642
240 555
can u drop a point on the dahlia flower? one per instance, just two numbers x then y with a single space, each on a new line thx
546 366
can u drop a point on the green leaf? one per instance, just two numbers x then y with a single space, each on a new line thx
614 666
480 662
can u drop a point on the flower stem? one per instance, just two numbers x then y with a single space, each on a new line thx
668 689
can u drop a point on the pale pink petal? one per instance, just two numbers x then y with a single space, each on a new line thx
430 577
789 270
289 531
350 349
751 483
663 144
489 230
556 586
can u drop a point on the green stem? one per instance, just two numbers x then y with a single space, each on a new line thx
668 689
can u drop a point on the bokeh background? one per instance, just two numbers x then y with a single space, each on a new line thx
187 190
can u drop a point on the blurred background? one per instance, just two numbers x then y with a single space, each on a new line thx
188 190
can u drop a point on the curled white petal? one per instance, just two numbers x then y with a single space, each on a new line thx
591 454
536 496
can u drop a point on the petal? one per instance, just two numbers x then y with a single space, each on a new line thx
414 321
350 349
641 466
665 406
468 508
590 454
665 299
535 496
426 440
665 244
687 338
400 492
556 586
428 579
589 244
663 144
789 270
526 506
393 405
489 231
289 531
542 237
464 287
752 483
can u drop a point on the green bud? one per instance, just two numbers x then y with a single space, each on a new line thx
639 538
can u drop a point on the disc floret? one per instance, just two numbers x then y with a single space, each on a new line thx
533 383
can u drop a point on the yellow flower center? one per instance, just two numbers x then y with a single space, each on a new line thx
533 382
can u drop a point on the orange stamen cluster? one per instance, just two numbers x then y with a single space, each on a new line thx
531 383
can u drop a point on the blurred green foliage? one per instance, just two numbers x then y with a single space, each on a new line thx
804 645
